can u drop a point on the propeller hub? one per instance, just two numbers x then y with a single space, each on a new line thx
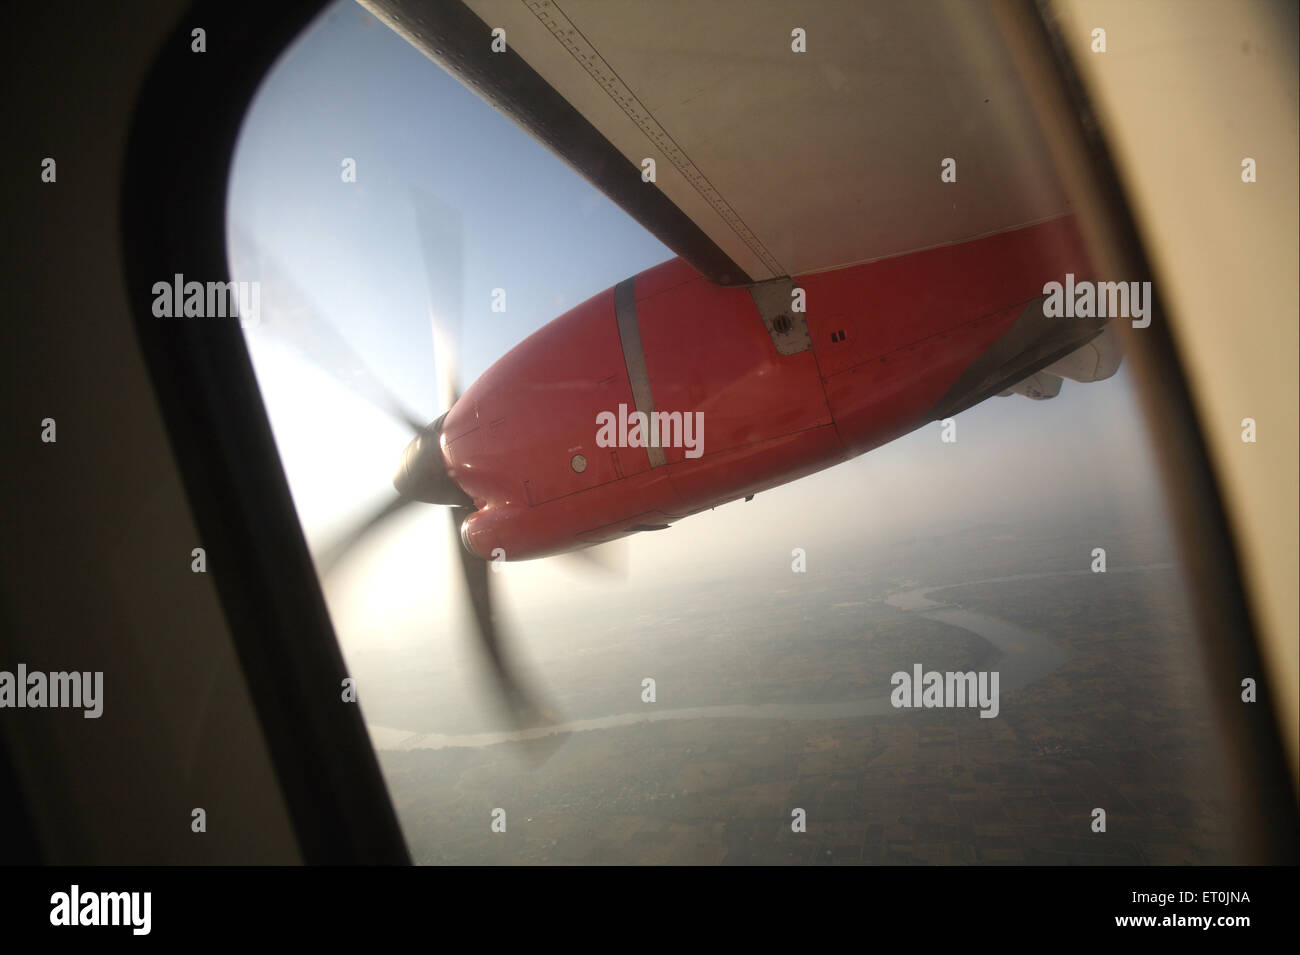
422 472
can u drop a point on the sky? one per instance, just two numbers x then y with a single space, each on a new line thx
350 88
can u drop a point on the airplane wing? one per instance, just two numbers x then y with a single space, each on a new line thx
783 142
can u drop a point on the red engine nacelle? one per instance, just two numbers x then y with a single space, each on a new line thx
776 393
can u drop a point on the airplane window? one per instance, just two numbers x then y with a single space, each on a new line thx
950 626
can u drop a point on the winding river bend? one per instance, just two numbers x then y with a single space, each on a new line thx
1023 657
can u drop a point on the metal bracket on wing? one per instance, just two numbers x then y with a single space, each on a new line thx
788 328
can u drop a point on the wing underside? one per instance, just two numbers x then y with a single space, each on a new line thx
784 142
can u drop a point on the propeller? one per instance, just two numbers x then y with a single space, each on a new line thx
421 475
295 323
333 555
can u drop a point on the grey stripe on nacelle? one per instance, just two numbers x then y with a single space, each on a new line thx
629 334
